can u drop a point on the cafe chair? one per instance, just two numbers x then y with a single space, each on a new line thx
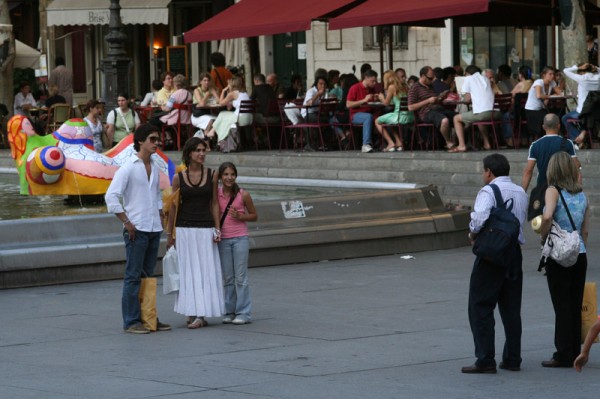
246 120
430 137
271 120
183 122
519 120
502 103
57 115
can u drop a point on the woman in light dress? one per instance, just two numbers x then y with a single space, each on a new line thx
194 229
395 89
231 97
204 95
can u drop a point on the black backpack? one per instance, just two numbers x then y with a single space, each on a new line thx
500 234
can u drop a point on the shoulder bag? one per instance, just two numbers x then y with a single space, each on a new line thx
562 246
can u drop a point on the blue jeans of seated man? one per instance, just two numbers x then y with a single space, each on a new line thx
572 130
366 119
234 266
141 256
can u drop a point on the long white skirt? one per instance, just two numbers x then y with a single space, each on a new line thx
201 122
200 280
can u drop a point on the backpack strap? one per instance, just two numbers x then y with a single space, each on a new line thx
499 200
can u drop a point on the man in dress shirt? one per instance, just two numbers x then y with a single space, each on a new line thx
134 196
492 284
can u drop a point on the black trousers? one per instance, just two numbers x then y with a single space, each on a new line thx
491 285
566 286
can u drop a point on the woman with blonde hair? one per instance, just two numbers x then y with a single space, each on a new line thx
395 89
231 97
565 283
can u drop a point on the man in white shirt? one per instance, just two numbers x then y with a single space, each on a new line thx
134 196
477 89
492 284
588 79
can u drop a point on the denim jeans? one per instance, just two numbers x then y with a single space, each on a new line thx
234 266
366 119
571 128
141 256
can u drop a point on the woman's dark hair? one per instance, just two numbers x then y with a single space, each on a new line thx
217 59
91 104
189 147
323 78
142 133
235 189
23 84
525 71
164 75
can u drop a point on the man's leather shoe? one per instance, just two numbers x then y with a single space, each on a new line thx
475 369
555 363
504 366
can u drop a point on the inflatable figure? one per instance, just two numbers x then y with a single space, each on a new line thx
65 162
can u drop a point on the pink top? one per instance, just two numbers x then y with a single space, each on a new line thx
232 227
180 96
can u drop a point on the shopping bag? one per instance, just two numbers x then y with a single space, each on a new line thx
589 310
147 298
170 271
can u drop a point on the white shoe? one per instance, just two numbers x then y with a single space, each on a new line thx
227 320
367 148
239 321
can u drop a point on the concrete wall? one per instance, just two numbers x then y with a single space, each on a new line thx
424 48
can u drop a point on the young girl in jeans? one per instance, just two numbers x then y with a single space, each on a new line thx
236 208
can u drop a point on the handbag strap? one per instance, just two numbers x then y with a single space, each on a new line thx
566 208
227 209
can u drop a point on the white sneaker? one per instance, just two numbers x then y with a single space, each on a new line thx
227 320
239 321
367 148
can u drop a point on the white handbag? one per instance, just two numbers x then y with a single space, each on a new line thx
562 246
170 271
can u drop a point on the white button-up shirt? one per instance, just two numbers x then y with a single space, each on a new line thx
486 200
585 83
132 192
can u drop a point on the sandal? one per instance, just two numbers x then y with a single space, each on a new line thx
198 322
455 149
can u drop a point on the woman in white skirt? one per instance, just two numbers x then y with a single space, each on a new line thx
205 95
195 221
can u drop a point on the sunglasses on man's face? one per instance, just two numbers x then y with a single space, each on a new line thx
154 139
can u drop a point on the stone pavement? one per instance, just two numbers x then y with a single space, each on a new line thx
379 327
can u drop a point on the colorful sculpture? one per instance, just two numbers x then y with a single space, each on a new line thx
65 162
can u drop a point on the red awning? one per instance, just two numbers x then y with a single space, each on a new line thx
266 17
391 12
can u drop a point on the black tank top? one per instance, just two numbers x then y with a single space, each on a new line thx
194 209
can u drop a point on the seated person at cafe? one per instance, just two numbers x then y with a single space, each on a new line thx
24 100
170 115
477 89
205 95
263 94
54 97
162 97
296 90
313 98
150 98
335 90
446 82
357 101
537 100
220 75
277 87
231 97
504 79
588 79
423 100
